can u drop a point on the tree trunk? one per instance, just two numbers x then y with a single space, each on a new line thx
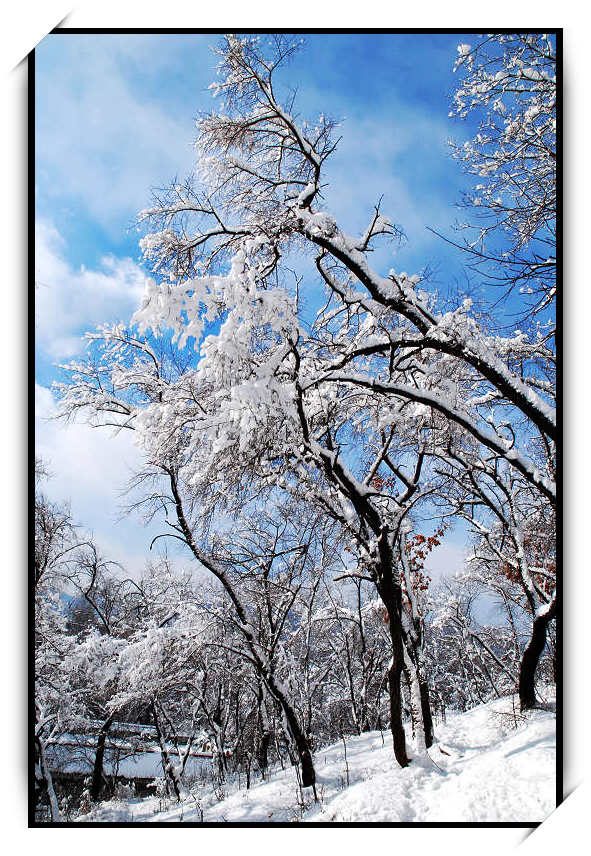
46 776
167 765
263 753
531 658
265 732
396 725
426 710
97 772
298 738
419 696
218 736
420 709
391 597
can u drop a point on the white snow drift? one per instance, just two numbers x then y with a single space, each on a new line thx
490 764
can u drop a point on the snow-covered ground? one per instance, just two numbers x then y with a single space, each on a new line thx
489 764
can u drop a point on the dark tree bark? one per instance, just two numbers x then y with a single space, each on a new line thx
392 597
531 658
265 734
396 724
426 711
295 731
97 772
263 754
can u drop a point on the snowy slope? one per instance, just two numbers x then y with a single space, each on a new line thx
488 765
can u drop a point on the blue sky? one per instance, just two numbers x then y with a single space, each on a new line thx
115 117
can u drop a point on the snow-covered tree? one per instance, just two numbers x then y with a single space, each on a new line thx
514 555
468 661
351 413
55 700
509 85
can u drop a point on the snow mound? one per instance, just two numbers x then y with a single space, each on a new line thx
490 764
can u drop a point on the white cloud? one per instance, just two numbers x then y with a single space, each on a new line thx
450 557
90 469
100 142
68 302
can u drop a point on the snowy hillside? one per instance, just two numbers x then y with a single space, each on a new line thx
490 764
